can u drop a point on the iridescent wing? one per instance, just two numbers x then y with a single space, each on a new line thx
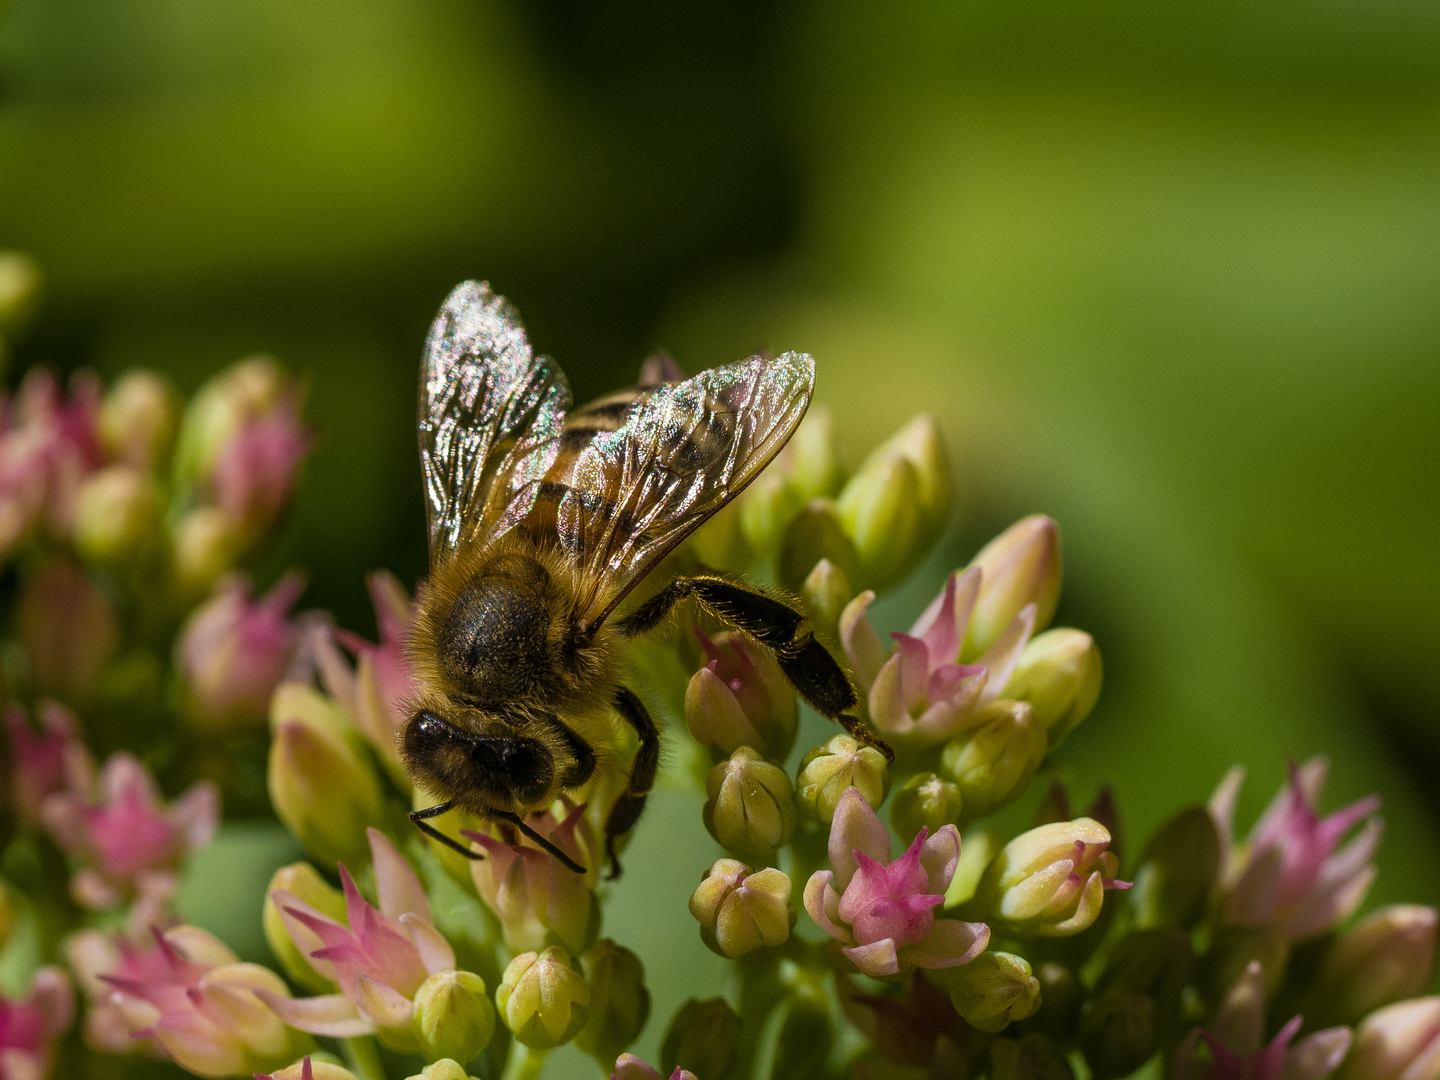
638 471
491 413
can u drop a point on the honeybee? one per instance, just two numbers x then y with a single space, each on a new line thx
541 521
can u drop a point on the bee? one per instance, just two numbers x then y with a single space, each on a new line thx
541 521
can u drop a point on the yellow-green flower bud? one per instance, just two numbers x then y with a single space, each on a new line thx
1050 881
302 881
453 1016
924 802
880 511
993 761
1398 1042
1059 674
1118 1033
1020 566
751 807
992 990
138 417
444 1069
117 513
815 533
811 459
826 591
1385 957
1033 1057
543 999
205 544
321 784
921 443
219 408
20 280
740 912
741 698
619 1002
720 543
1177 871
766 509
702 1036
319 1069
838 763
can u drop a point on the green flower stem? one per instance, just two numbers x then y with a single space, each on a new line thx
808 853
761 989
524 1063
363 1058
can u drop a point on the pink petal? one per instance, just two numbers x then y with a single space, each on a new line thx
334 1015
904 920
914 668
888 711
949 944
951 680
940 856
855 827
906 875
876 959
945 718
1317 1056
399 887
936 626
859 640
305 939
196 813
1002 656
814 900
435 952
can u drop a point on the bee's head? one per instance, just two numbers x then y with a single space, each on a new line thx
500 771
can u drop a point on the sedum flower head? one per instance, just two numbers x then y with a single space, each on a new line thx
740 912
740 698
204 1008
1051 881
1231 1049
882 911
539 901
751 808
30 1026
1398 1042
1289 874
542 999
379 958
123 832
834 767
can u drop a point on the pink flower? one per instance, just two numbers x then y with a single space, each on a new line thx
1288 874
30 1026
197 1003
883 911
234 650
124 833
42 764
379 958
377 693
1234 1048
538 900
921 694
630 1067
255 468
47 446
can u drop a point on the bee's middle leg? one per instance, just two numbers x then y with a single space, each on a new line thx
780 626
628 806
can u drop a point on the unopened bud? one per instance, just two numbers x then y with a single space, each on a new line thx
880 511
543 999
702 1036
1050 881
741 698
20 280
1059 674
1385 957
751 807
994 760
321 785
205 545
1398 1042
720 543
1177 871
766 508
138 418
619 1002
811 459
444 1069
1033 1057
308 1068
924 802
218 410
826 591
8 915
302 881
117 514
992 990
453 1016
1234 948
921 443
838 763
739 912
815 533
1020 566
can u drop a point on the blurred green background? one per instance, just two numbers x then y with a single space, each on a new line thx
1168 272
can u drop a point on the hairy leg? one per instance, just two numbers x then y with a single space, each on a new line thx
628 806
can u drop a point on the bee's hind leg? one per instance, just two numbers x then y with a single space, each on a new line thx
626 810
777 624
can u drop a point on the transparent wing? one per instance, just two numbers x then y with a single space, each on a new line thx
623 493
491 413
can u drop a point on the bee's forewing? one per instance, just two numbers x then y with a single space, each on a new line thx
491 413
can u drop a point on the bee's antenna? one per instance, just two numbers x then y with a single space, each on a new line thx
419 816
570 864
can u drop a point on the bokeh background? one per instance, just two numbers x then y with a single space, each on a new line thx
1168 272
